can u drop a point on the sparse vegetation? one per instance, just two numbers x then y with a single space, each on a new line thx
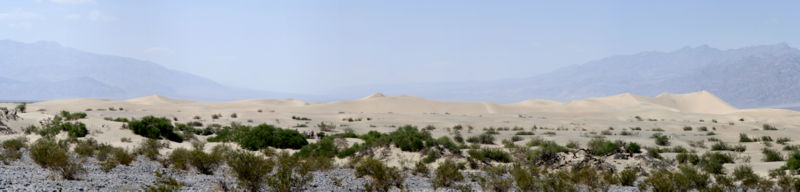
48 154
155 128
260 137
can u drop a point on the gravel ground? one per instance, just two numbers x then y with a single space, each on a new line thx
25 175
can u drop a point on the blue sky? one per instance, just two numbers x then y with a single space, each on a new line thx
312 46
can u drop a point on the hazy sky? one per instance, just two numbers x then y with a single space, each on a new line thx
311 46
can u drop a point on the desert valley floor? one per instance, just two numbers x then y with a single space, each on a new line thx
694 121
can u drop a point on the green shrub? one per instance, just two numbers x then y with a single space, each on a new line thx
408 138
72 116
711 162
12 149
76 129
743 138
155 128
524 133
687 158
421 169
85 148
163 183
447 174
122 156
383 177
600 146
768 127
661 139
260 137
50 155
179 158
482 139
203 162
22 107
323 148
251 171
490 154
633 148
745 174
783 140
107 166
290 174
628 176
771 155
793 162
687 128
149 148
546 153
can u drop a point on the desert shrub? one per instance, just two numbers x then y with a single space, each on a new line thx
179 158
383 177
660 139
85 148
627 176
421 169
259 137
163 183
703 128
482 139
696 179
22 107
107 166
251 171
432 156
204 162
600 146
408 138
744 138
155 128
149 148
633 147
687 158
76 129
72 116
323 148
768 127
490 154
745 174
12 149
122 156
783 140
687 128
524 133
516 138
48 154
771 155
447 174
546 153
711 162
495 180
536 141
793 162
664 180
290 173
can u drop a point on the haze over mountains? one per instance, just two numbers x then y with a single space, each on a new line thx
755 76
748 77
47 70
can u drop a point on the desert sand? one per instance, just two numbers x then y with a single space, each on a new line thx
573 121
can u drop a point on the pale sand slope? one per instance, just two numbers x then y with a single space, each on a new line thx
575 120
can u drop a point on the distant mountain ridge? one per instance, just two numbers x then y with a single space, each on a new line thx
47 70
757 76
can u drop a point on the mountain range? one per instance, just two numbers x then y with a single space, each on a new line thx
757 76
47 70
